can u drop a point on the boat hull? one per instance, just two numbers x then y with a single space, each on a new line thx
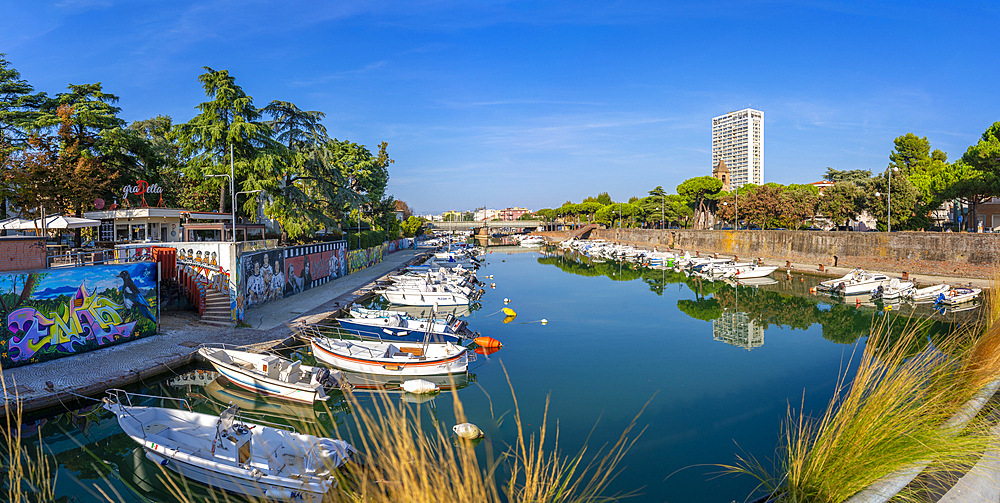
250 382
392 334
370 364
425 298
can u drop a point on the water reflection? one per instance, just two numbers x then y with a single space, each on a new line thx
740 311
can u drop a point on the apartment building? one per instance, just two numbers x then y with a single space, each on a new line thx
738 143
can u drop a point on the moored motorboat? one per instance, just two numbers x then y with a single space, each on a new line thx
896 289
855 282
929 293
959 295
272 375
255 460
386 358
400 328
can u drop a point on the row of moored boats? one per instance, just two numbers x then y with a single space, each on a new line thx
275 462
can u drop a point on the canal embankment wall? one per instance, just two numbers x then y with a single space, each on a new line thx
967 255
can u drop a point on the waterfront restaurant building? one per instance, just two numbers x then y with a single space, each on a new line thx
143 225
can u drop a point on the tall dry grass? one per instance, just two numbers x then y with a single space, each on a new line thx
904 413
27 474
404 461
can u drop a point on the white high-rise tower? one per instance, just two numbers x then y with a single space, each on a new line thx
738 139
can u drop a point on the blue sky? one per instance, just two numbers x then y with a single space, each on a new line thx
492 103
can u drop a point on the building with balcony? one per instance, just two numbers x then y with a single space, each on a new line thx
738 143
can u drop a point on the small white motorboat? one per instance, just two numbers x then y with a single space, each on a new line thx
855 282
754 271
959 295
272 375
386 358
256 460
929 293
896 289
425 296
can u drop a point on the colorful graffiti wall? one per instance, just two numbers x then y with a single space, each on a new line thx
56 313
360 259
270 275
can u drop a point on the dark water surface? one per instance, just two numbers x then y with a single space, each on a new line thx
718 364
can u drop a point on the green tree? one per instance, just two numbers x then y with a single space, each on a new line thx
412 227
841 202
18 110
801 201
314 191
904 200
911 151
604 198
227 121
984 159
696 191
859 177
589 208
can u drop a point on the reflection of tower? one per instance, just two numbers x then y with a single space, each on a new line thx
738 329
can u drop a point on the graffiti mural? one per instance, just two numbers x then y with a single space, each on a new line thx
360 259
53 314
266 276
263 276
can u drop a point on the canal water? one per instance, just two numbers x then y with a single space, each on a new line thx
716 366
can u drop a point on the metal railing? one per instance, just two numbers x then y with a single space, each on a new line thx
91 258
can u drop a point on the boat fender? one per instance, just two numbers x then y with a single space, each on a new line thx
160 460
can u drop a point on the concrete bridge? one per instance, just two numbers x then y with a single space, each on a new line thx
479 224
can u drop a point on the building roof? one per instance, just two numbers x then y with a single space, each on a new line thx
721 167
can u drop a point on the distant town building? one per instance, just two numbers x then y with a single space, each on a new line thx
484 214
822 185
738 142
402 210
509 214
451 216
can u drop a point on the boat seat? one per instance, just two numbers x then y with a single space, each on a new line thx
154 429
290 372
413 351
222 356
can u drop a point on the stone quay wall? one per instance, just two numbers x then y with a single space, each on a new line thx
968 255
22 253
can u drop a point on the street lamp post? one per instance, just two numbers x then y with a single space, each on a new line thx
231 175
889 205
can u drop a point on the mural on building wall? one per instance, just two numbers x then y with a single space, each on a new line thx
360 259
53 314
266 276
264 279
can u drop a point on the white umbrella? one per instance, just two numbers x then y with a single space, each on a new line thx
60 222
12 223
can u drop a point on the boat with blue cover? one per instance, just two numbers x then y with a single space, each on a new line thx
396 327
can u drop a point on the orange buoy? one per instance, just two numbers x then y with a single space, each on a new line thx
858 301
493 285
487 342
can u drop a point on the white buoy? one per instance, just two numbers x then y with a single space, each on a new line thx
506 300
544 321
467 431
419 386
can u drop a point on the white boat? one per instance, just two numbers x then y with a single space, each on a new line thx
855 282
532 241
894 290
386 358
754 271
958 295
929 293
426 295
269 374
255 460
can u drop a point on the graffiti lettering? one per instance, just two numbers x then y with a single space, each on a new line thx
86 317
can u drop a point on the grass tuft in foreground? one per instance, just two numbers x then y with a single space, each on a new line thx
26 476
905 409
404 462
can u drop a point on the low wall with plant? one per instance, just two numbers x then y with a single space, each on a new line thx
938 253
